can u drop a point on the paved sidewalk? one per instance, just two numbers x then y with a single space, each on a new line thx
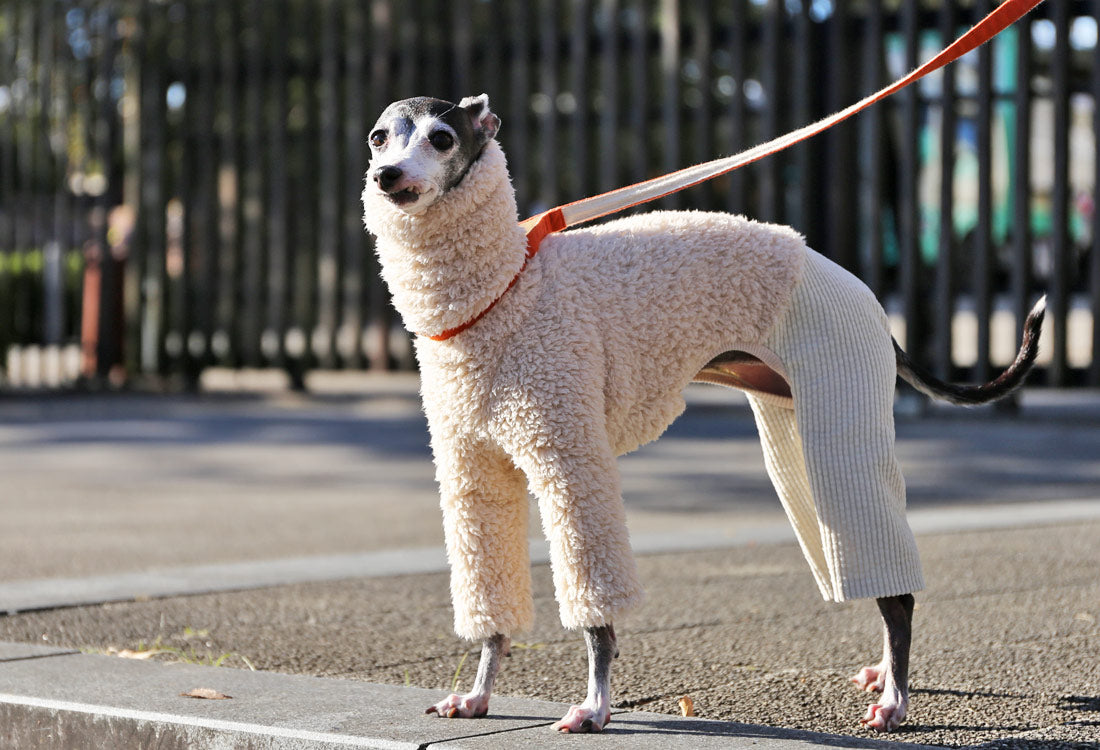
64 699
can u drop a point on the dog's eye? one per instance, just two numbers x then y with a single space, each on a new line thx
441 140
378 138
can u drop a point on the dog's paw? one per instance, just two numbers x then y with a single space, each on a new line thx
870 679
471 706
884 717
583 719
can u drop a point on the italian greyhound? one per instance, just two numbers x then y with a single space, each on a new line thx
422 149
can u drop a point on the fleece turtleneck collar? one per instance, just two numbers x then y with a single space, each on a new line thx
445 265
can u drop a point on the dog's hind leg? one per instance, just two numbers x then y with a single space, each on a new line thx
594 714
476 702
891 675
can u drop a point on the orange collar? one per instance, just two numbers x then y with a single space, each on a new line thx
537 227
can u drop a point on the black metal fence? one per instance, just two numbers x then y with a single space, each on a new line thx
180 180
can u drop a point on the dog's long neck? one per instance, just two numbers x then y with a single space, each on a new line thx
447 264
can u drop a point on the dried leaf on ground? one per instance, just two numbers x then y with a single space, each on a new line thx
206 694
142 655
687 706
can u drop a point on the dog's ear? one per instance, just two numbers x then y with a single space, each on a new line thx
484 122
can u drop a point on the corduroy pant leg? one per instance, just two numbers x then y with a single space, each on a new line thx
835 344
783 458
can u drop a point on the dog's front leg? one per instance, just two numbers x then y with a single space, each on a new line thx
476 702
594 714
891 675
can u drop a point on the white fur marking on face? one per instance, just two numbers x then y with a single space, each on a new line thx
424 168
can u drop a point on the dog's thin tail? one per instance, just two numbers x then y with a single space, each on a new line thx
973 395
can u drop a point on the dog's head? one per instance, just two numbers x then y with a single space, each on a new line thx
422 147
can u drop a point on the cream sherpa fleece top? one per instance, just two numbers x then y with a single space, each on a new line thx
584 359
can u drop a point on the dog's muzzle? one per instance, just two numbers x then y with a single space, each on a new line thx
388 179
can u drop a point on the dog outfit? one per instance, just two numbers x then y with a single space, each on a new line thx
585 357
829 449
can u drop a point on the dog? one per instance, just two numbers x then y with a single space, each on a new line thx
537 372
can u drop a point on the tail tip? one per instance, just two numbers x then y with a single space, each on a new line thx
1039 308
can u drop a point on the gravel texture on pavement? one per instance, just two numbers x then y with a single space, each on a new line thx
1005 654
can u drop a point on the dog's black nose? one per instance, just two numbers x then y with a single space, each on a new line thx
387 177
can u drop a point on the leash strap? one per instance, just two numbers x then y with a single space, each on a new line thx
587 209
556 219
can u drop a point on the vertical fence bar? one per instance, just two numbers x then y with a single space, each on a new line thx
670 77
174 337
738 50
943 293
184 205
273 339
609 135
519 94
304 177
250 311
1093 378
227 30
38 157
1060 244
348 340
53 249
433 58
328 253
908 223
376 337
840 146
24 149
699 97
874 133
1021 179
7 174
488 53
84 133
130 157
153 230
547 98
463 40
204 228
578 98
801 215
9 22
135 189
770 53
983 232
108 345
637 114
408 34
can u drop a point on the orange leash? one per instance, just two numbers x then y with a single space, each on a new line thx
556 219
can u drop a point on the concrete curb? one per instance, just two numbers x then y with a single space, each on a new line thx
56 698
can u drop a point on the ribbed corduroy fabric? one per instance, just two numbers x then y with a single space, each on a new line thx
830 453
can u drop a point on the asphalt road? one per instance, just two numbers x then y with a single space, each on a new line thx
103 484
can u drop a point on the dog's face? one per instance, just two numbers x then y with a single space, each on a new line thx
422 147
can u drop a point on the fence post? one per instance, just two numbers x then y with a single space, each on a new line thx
111 242
1094 265
1060 246
944 285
